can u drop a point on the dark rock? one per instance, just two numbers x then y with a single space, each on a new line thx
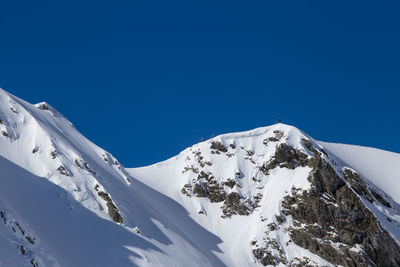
232 199
272 226
278 135
62 170
22 249
34 263
218 146
30 240
190 168
3 216
112 209
231 183
43 107
285 157
351 222
381 199
232 205
280 219
307 143
357 184
199 191
264 256
77 163
20 228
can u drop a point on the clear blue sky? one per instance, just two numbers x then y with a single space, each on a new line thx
146 79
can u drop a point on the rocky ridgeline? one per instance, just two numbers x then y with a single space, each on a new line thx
330 219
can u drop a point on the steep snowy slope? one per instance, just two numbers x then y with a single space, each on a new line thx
380 167
270 196
276 196
64 201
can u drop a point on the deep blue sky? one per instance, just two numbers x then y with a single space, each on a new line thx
145 79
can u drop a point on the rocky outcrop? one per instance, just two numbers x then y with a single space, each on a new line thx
276 138
62 170
111 207
218 146
234 204
285 157
331 221
357 184
43 106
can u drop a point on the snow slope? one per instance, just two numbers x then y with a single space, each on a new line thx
237 232
380 167
63 211
66 202
245 154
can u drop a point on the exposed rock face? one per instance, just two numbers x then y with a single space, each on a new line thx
330 219
233 205
112 209
357 184
338 226
43 106
278 135
285 157
380 198
207 186
218 146
62 170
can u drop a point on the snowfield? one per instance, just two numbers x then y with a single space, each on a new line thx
222 202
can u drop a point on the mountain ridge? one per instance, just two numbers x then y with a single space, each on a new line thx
200 185
268 196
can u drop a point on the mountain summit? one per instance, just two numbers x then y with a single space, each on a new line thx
272 196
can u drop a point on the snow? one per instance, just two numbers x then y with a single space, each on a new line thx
64 213
70 222
380 167
237 232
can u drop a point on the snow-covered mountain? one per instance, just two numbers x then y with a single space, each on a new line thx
269 196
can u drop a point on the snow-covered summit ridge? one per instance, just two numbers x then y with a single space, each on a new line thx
41 140
260 175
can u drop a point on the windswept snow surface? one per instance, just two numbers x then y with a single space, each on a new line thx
66 202
61 208
380 167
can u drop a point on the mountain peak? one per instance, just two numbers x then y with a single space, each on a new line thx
269 196
292 191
